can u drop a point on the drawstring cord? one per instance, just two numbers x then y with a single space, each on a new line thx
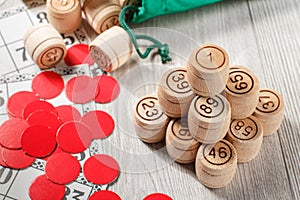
163 49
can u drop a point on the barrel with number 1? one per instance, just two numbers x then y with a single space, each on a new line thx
207 70
174 92
45 45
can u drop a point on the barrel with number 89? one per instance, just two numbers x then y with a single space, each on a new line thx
209 118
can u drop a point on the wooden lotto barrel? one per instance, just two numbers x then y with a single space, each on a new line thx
102 14
45 45
64 15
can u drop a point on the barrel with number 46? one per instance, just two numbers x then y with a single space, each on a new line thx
45 45
216 164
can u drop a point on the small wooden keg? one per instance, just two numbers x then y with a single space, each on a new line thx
64 15
102 14
111 49
45 45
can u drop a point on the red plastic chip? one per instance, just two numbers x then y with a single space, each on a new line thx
157 196
47 84
100 123
16 159
62 168
36 106
78 54
68 113
42 188
11 131
18 101
81 89
74 137
44 118
105 195
38 141
108 88
57 150
2 163
101 169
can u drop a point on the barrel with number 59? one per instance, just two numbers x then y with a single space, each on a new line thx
45 45
242 91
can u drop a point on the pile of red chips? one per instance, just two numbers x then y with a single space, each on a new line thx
37 129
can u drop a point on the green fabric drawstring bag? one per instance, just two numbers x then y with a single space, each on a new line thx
152 8
140 10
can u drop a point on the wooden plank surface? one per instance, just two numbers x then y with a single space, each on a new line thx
260 34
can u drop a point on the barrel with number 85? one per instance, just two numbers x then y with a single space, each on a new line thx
246 135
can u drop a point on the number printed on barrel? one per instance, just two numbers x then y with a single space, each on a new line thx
100 58
52 56
268 101
209 107
109 22
217 154
177 82
211 57
149 109
240 82
180 129
244 129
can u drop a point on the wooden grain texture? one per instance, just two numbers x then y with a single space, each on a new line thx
260 34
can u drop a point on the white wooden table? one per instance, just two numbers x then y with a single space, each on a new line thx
263 35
